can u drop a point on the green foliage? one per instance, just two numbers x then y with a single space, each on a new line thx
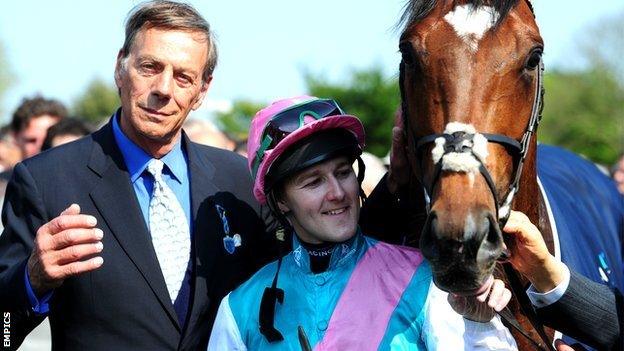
97 103
369 95
584 112
235 123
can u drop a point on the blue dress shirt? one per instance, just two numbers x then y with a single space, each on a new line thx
175 172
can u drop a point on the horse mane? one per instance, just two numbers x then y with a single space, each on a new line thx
416 10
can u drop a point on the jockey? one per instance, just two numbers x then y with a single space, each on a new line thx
338 289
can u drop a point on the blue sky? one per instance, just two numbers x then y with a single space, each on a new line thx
57 47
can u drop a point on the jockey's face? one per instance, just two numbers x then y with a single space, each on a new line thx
322 202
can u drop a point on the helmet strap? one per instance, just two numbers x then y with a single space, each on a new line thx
272 295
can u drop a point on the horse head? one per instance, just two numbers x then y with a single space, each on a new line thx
470 80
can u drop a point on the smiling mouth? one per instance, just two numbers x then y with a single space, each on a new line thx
336 211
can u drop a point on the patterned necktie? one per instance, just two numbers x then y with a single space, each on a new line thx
170 231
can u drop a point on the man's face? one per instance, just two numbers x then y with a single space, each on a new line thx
31 138
10 154
160 82
322 202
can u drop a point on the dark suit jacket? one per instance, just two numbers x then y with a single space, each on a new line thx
590 312
124 305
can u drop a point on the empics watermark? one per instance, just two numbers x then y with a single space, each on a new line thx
6 329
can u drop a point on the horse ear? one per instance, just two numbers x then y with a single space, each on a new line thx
528 2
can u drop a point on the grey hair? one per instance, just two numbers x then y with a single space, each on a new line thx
172 15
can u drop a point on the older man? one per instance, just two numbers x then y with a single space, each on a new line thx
128 239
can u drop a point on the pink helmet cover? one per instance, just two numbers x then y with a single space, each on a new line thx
260 120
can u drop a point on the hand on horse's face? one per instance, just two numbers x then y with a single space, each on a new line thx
482 307
562 346
529 254
399 173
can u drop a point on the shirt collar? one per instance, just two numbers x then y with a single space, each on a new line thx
341 254
137 159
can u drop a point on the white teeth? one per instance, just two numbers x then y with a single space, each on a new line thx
338 211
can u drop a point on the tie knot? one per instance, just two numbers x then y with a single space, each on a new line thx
155 167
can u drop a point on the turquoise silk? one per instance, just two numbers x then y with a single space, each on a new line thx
374 296
371 297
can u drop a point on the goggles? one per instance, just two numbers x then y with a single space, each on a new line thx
290 120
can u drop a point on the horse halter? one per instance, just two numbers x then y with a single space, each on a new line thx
463 142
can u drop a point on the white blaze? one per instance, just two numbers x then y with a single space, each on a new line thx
470 24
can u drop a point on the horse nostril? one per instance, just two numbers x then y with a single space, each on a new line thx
491 245
495 236
504 256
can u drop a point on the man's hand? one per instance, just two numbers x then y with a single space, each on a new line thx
399 173
61 249
529 254
481 308
562 346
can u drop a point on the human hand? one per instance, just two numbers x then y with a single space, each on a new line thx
398 174
62 248
562 346
482 307
529 254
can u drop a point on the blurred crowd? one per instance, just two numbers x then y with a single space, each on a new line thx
37 124
40 123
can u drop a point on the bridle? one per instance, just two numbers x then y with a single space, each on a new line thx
462 142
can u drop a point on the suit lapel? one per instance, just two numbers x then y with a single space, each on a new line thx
202 173
116 201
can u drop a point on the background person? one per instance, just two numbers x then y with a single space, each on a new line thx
206 133
65 131
617 171
10 153
31 121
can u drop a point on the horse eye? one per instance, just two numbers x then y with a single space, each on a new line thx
407 53
534 59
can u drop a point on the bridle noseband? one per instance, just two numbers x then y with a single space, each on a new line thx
463 142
